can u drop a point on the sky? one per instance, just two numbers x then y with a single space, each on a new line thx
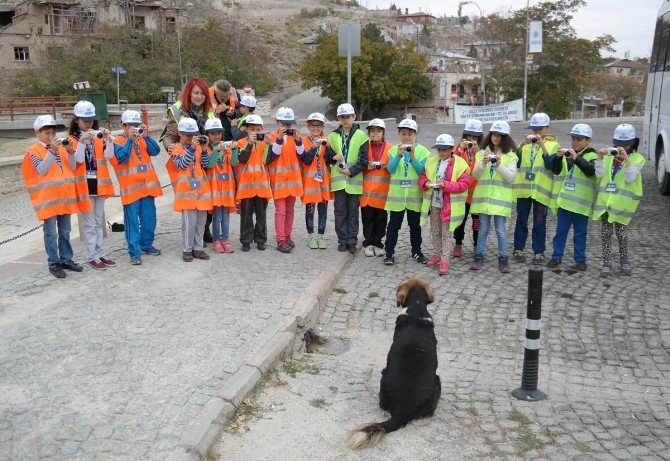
598 17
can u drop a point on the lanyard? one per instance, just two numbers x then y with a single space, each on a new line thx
91 161
345 146
446 168
574 163
136 146
614 171
533 155
405 156
468 152
318 157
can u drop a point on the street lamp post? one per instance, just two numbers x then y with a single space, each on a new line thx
525 63
481 61
181 72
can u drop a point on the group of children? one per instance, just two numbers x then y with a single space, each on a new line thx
484 176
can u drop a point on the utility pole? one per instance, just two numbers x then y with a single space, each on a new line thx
525 63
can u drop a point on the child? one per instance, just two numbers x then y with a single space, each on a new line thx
350 159
316 179
221 182
532 186
467 150
285 176
48 173
575 193
406 163
495 169
246 107
445 182
138 183
92 150
619 193
192 194
253 183
376 180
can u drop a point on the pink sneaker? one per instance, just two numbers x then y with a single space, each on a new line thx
444 267
227 247
458 251
218 246
433 260
606 271
626 269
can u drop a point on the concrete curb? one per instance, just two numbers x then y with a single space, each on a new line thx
219 410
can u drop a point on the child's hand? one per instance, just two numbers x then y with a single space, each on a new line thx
338 157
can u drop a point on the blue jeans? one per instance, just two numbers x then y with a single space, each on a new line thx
539 236
139 220
221 223
322 207
57 238
580 224
484 225
394 225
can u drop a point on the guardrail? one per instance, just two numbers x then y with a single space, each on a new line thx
31 106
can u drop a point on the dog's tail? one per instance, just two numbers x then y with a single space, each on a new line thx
369 435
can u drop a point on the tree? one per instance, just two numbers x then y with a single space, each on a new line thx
617 88
557 75
381 75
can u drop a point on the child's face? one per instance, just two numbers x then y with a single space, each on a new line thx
579 143
406 136
541 131
254 128
45 135
496 139
376 134
346 121
214 136
472 137
185 139
315 129
283 125
445 153
83 125
244 110
126 129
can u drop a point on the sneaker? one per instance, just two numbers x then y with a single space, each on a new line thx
503 264
246 247
606 271
261 246
578 266
444 267
97 265
369 251
200 254
538 259
207 236
283 247
313 242
389 260
71 266
57 271
553 262
477 263
187 256
519 256
341 247
227 247
108 262
290 243
351 249
218 246
322 242
136 260
433 260
379 251
458 251
420 258
153 251
626 269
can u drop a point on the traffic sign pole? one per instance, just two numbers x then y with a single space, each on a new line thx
349 64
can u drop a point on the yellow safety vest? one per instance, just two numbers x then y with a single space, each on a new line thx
456 201
493 195
620 200
535 181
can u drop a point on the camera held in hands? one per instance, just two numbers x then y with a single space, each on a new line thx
202 139
493 159
140 131
260 137
289 131
99 134
377 165
408 149
565 151
532 139
613 151
227 144
64 141
323 142
470 144
435 186
341 165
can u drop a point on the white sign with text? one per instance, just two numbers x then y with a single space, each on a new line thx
511 111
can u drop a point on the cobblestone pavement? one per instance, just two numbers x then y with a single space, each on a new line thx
604 361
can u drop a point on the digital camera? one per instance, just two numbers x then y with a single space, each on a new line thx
140 131
565 151
341 165
289 132
64 141
377 165
323 142
99 135
260 137
532 139
227 144
613 151
408 148
470 144
202 139
493 159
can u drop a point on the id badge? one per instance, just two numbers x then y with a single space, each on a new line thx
223 176
318 178
610 187
194 184
142 168
530 176
405 183
569 185
91 174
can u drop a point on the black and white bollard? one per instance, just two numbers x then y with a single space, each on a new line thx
531 354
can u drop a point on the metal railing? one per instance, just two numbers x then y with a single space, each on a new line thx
31 106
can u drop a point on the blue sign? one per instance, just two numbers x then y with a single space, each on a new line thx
120 69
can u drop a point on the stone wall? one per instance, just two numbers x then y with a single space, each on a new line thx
11 179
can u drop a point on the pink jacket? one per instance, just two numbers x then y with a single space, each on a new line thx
450 187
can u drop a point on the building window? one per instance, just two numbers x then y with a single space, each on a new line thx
170 24
21 53
138 22
46 19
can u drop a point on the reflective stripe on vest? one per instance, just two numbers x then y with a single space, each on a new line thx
581 199
456 201
184 197
494 196
252 177
338 181
401 198
540 188
133 183
621 204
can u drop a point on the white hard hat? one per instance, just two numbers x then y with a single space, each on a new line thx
131 117
188 126
345 109
539 120
85 110
408 123
444 141
624 135
473 127
253 120
379 123
285 115
44 121
213 124
499 126
581 130
248 100
316 117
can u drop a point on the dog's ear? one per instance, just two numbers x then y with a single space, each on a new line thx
402 292
407 284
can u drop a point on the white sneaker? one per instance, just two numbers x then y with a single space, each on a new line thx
379 252
369 251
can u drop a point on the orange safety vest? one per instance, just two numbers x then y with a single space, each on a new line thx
222 182
51 194
185 196
285 176
231 99
471 163
376 182
315 191
105 186
137 177
252 177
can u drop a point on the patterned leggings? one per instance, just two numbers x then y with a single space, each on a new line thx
439 232
621 235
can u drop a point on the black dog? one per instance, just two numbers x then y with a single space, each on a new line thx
410 387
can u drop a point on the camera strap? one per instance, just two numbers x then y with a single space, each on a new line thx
615 169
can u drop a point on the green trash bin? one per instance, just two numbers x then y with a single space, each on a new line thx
99 100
